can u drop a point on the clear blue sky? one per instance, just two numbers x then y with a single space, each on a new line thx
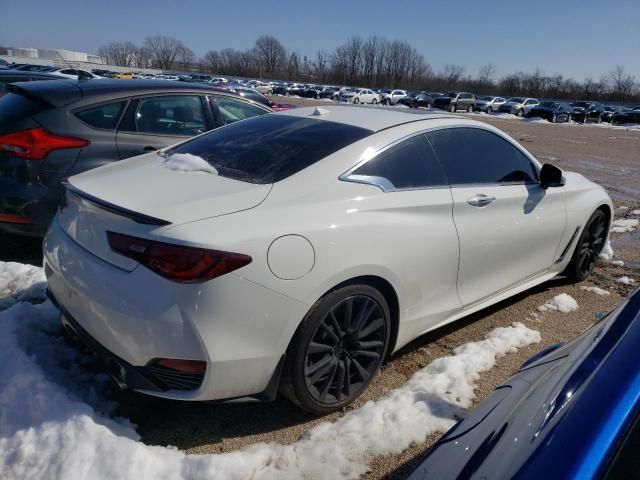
571 37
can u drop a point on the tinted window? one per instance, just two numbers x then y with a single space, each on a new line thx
472 155
15 107
410 164
270 148
102 116
168 115
233 110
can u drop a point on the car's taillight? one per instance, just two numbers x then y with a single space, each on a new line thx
36 143
175 262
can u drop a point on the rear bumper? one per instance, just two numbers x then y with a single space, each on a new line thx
240 329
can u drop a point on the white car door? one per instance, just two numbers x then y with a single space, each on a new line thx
509 227
420 239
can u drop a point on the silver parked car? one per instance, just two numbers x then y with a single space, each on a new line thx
519 105
489 104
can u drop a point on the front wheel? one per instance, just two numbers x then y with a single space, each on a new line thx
520 113
374 101
588 248
356 100
452 108
337 350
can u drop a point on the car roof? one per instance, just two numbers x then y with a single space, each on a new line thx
371 118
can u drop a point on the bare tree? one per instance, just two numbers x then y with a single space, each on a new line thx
623 83
270 54
185 55
121 54
164 50
452 74
293 66
320 65
486 73
213 61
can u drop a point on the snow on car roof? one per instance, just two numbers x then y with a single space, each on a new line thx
372 118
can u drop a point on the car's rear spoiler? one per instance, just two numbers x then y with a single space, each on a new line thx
54 93
110 207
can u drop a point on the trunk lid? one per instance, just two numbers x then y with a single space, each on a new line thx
140 197
144 185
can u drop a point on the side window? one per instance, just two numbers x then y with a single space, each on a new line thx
180 115
410 164
233 110
475 156
103 116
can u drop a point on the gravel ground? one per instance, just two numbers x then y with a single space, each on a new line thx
608 156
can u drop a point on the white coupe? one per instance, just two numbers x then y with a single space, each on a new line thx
294 252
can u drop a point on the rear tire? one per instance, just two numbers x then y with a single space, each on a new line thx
588 248
470 109
337 349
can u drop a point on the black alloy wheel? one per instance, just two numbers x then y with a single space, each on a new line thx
589 246
337 349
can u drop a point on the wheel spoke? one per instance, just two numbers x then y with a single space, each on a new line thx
329 331
371 344
347 375
348 313
364 353
329 380
335 323
340 380
316 371
364 375
377 324
315 347
364 314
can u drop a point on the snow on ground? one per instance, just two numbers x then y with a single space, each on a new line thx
607 252
635 212
626 280
624 225
55 423
186 162
564 303
596 290
618 263
20 282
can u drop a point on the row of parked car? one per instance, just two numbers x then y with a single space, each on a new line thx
551 110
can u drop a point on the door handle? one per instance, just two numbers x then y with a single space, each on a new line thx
480 200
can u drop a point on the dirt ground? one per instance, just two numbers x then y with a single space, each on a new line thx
608 156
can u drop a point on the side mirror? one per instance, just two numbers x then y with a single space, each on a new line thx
551 176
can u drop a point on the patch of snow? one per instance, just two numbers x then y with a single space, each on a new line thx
624 225
20 282
186 162
320 111
607 252
626 280
596 290
618 263
54 431
564 303
635 212
622 207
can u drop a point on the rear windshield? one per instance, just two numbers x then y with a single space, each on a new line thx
15 107
270 148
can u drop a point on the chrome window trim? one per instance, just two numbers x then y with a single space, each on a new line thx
386 186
